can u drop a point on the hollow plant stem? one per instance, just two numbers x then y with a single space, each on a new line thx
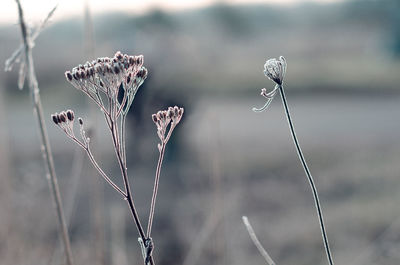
310 178
46 150
155 189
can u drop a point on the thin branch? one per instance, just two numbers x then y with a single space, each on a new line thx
155 189
256 242
17 53
46 150
104 175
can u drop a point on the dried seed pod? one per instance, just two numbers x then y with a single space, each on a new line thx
80 121
118 55
170 113
62 116
154 117
70 115
68 75
54 118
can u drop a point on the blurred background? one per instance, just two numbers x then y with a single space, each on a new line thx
224 160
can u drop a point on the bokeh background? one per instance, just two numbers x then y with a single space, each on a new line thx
224 160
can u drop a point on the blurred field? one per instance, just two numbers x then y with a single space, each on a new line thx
224 161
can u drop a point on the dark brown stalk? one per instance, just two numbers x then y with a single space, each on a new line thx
46 150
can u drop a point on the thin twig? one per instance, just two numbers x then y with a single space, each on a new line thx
46 150
256 242
310 178
17 53
155 189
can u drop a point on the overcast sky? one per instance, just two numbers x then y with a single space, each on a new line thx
35 10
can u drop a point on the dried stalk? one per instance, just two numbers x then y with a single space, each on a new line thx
275 70
101 80
256 242
46 150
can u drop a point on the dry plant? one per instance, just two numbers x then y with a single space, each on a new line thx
275 70
24 55
101 80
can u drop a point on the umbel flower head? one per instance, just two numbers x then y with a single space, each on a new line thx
275 69
165 119
104 77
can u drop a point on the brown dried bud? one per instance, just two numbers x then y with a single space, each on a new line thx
154 117
176 111
68 75
128 78
70 115
139 60
131 60
116 69
118 55
82 74
170 112
80 121
142 73
62 116
54 118
180 112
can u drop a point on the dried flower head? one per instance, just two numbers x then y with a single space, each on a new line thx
165 119
65 120
275 69
104 76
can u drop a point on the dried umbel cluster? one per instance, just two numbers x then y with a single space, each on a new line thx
104 76
275 69
101 80
65 120
167 118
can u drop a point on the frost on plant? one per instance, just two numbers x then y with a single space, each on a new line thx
104 76
275 70
112 84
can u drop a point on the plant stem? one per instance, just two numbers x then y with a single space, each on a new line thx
155 189
128 195
46 150
256 242
310 178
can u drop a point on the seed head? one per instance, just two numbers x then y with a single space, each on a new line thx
275 69
54 118
68 76
70 115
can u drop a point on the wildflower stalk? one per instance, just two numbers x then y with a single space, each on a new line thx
166 122
46 150
309 176
275 70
